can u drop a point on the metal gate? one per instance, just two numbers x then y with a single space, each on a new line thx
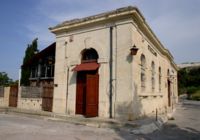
13 96
47 98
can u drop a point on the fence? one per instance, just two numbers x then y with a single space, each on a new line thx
1 91
31 92
4 96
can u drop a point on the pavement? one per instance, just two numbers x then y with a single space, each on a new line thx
143 125
184 126
21 125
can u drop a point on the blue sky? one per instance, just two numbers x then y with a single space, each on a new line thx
175 22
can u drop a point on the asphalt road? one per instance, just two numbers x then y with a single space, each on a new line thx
19 127
186 126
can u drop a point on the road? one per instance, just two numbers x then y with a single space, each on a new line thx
20 127
186 126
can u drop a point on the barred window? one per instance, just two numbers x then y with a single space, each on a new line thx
34 72
159 79
168 74
153 75
143 75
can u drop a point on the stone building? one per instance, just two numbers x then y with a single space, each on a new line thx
41 66
112 65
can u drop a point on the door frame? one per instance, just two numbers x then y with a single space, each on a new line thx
169 92
13 96
81 93
47 98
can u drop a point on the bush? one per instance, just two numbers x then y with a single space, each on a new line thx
188 80
191 90
196 96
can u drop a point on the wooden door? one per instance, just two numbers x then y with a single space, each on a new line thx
47 98
13 96
81 93
169 93
92 95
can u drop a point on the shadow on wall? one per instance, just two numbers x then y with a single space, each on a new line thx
72 80
129 58
131 110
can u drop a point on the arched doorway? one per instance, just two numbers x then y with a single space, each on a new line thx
87 89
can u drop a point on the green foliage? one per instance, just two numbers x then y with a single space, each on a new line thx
189 81
4 79
196 96
29 53
192 89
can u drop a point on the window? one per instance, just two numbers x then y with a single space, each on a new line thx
143 76
43 71
159 79
34 72
50 71
153 75
89 55
168 74
47 71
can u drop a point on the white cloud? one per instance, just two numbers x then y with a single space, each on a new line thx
176 23
61 10
41 32
177 29
51 12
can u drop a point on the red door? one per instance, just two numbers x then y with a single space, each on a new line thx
92 98
80 93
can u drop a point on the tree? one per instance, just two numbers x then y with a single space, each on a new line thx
29 53
189 80
4 79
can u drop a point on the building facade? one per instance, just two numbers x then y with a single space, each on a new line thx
112 65
41 66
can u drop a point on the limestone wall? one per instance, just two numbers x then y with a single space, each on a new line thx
29 101
129 100
68 55
4 101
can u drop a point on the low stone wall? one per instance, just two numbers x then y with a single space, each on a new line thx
1 91
30 98
4 98
31 92
30 103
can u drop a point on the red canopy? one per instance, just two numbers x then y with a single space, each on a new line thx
86 66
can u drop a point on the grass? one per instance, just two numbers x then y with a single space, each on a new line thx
196 96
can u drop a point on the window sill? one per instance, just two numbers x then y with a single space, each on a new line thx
150 95
41 78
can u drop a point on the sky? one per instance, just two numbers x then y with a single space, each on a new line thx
175 22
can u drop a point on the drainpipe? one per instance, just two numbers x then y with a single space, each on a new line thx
114 109
67 89
67 92
111 68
